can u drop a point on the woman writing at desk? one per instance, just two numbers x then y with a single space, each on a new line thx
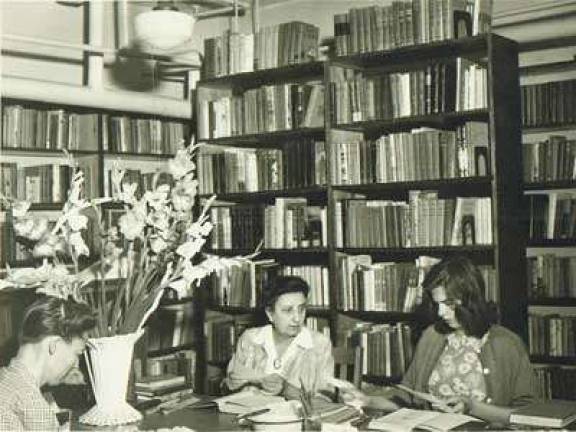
468 361
280 356
51 339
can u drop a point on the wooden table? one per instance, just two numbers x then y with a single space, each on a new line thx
202 419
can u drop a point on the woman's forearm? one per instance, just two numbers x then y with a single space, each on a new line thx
490 413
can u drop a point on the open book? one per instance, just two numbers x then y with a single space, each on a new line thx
405 420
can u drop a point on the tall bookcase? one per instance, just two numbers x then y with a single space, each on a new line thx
34 134
549 135
432 71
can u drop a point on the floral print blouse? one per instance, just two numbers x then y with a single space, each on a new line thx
459 371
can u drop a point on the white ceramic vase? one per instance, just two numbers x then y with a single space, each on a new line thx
109 361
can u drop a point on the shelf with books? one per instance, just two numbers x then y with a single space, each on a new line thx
441 121
550 185
483 253
267 76
232 310
555 360
462 186
552 243
6 151
466 46
265 139
315 193
171 350
380 316
552 301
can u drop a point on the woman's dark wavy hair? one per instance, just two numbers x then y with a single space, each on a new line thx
52 316
462 281
283 285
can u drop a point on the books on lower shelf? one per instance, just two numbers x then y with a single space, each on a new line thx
549 103
407 419
171 326
552 334
550 160
551 276
553 414
222 332
552 215
555 382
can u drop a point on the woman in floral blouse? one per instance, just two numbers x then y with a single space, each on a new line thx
280 357
466 360
51 339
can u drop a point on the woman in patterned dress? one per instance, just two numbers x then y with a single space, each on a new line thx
468 361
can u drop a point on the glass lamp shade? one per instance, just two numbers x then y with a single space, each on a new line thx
163 29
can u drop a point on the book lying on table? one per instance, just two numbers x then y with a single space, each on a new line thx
551 413
406 419
246 401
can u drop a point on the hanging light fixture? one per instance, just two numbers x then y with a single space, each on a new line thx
164 27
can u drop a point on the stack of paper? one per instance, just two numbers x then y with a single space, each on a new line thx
405 419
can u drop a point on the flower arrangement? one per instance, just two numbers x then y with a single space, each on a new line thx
156 244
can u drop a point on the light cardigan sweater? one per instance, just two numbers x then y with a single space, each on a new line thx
309 358
506 366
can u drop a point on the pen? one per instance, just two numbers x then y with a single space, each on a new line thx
253 413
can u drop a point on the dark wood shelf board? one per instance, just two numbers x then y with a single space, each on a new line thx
46 206
380 317
233 310
484 252
468 47
400 124
318 311
51 152
266 139
265 76
551 128
217 363
552 360
553 301
550 185
269 252
551 243
537 69
173 302
171 350
445 187
381 379
136 155
315 192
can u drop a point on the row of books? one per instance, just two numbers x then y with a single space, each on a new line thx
382 286
453 85
548 104
387 348
549 160
123 134
551 276
222 332
242 285
171 326
552 215
289 223
268 108
552 335
45 183
403 23
318 324
424 221
555 382
298 163
50 129
421 154
273 46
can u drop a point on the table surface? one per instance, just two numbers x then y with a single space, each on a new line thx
200 419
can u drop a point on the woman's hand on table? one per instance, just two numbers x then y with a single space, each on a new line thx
272 384
454 404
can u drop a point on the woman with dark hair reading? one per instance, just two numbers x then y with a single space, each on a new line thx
280 356
52 336
466 360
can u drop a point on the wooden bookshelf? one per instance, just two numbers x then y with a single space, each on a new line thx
502 183
25 125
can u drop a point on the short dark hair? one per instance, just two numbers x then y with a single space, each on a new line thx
283 285
462 281
53 316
